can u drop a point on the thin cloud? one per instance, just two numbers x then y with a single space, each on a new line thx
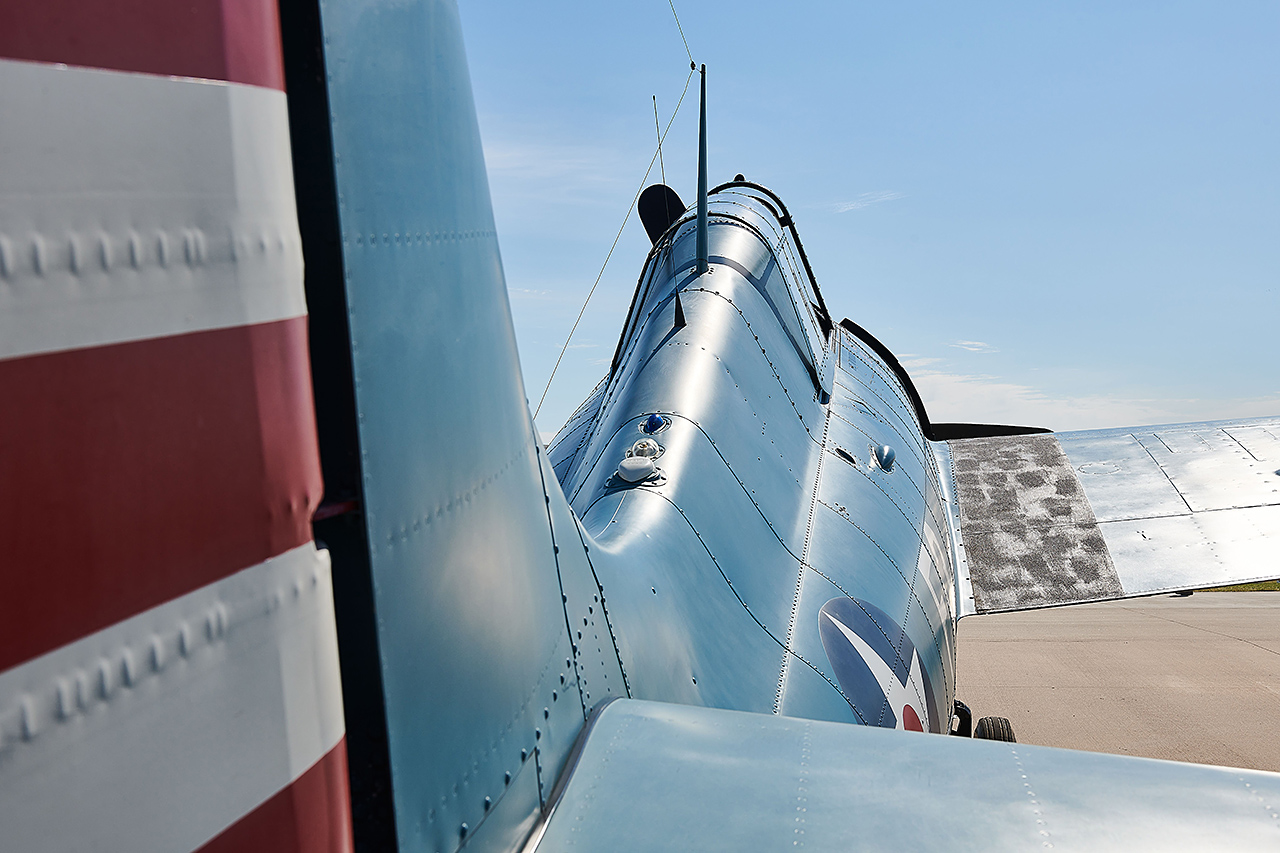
974 346
550 162
963 398
866 200
534 177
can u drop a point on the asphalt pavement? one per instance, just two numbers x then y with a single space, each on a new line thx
1192 678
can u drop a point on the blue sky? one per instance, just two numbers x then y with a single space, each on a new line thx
1065 215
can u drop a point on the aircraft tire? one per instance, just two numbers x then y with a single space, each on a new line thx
994 728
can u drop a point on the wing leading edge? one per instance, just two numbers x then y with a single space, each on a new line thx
1045 520
652 776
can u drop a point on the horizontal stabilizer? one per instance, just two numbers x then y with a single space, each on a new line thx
1086 516
652 776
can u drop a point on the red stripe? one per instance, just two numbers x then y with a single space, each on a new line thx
134 473
312 814
235 40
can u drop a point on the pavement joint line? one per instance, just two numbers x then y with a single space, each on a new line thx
1199 628
1060 689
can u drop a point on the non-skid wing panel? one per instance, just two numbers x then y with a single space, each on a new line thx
652 776
1085 516
1030 537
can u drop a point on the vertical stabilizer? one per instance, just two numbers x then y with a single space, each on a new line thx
475 563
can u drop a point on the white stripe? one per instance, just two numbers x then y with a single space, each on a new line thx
124 741
134 206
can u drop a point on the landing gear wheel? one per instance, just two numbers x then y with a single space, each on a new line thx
994 728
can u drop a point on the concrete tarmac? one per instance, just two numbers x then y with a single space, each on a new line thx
1188 679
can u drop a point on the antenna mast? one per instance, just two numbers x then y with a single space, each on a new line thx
702 175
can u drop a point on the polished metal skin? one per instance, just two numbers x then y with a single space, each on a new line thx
774 498
478 567
1102 514
745 514
815 785
1185 505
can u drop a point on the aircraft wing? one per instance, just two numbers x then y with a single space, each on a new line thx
1050 519
652 776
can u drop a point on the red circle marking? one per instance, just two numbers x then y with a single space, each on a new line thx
910 721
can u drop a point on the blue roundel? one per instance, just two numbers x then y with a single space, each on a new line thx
877 666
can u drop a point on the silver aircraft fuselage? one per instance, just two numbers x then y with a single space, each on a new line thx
772 561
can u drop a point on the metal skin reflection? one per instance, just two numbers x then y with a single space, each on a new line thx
758 522
793 551
511 589
506 590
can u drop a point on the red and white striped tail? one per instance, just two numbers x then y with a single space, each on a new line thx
168 659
